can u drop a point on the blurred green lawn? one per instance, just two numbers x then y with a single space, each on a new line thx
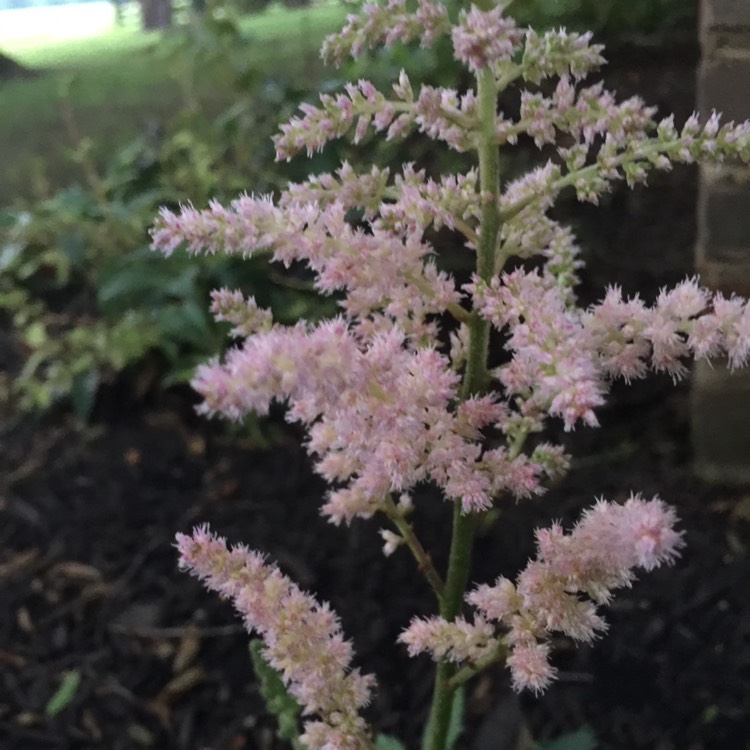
118 79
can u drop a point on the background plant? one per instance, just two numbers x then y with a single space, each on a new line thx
78 283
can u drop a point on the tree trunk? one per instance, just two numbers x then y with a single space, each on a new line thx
156 14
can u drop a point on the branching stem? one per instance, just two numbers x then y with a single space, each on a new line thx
424 561
475 381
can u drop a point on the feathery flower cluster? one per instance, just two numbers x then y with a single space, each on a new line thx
628 337
396 391
482 39
552 370
563 357
411 204
458 641
379 417
557 592
302 638
242 312
362 103
559 53
386 24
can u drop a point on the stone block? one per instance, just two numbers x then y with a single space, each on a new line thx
724 215
727 278
722 252
720 399
724 85
721 423
727 14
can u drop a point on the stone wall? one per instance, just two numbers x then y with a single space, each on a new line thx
721 400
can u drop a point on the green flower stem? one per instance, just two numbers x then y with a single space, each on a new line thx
475 381
458 573
466 673
489 181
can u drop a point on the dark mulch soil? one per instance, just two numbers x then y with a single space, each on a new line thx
88 579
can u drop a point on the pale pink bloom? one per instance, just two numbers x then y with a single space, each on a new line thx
498 602
379 269
557 592
551 361
459 342
242 312
379 413
733 317
391 541
346 187
381 399
457 641
530 668
482 39
571 575
438 109
387 24
343 505
360 106
422 202
248 225
478 412
303 638
538 184
559 53
615 327
519 476
686 321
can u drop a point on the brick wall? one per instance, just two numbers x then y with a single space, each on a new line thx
721 400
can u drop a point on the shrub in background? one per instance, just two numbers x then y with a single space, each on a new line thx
77 282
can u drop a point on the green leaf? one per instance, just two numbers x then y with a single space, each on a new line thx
64 695
279 702
583 739
83 392
35 336
73 246
9 253
189 323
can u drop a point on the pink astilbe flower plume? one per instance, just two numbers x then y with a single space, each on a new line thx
302 637
385 24
557 592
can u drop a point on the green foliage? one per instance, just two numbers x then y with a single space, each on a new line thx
77 279
283 706
124 80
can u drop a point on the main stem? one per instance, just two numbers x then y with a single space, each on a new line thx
475 381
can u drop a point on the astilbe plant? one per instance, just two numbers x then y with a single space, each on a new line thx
398 390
